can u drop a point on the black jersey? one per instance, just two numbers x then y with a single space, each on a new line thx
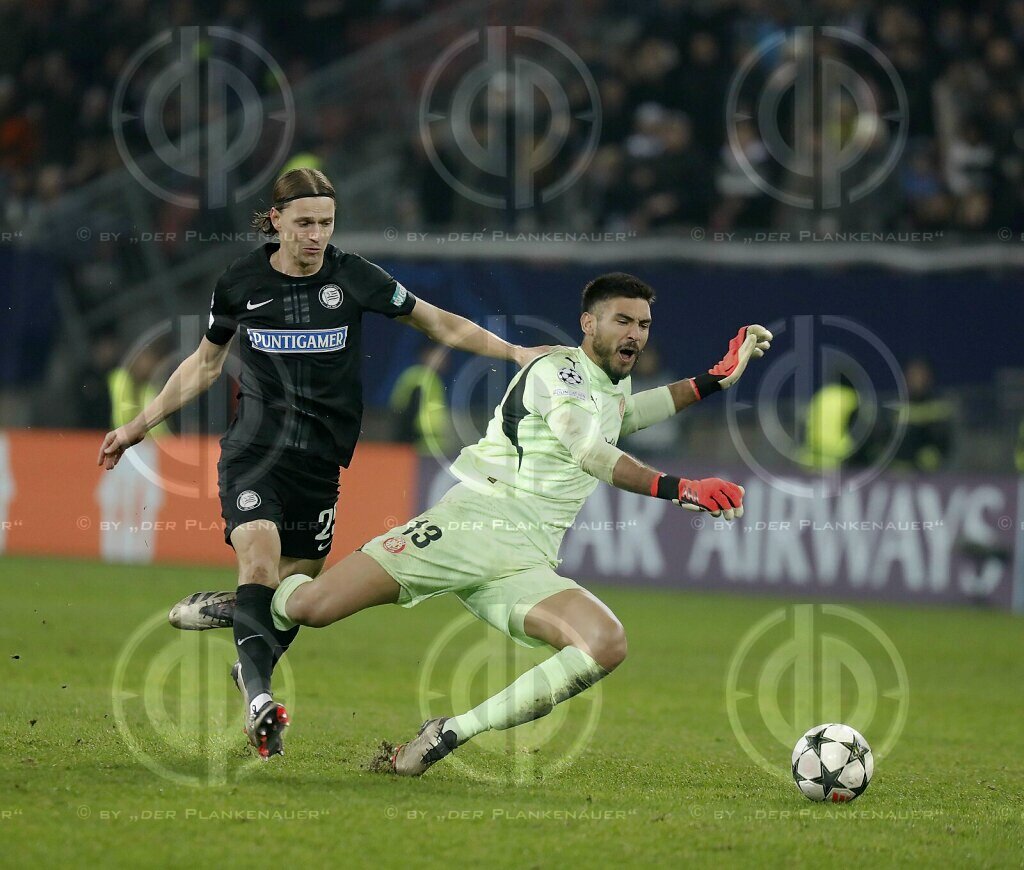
301 387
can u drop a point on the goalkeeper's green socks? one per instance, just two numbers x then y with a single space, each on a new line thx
567 673
280 600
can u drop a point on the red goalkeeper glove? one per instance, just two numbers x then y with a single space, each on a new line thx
750 342
712 494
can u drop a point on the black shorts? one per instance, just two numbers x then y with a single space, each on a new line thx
298 493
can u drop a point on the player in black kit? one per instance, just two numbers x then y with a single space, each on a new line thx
299 304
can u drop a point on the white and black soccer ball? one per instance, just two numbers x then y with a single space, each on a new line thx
832 762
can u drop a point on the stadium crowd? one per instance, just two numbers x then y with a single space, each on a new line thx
60 61
663 69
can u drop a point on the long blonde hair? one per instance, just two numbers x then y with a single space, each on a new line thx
296 184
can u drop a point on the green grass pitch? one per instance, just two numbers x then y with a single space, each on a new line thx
122 743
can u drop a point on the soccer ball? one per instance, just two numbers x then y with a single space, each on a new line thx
832 763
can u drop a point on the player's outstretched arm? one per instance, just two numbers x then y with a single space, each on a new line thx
195 375
718 497
462 334
653 406
577 428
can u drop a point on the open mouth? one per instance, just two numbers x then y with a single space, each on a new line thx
626 355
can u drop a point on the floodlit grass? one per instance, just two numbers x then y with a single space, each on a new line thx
123 743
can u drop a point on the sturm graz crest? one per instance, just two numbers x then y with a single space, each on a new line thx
248 500
331 296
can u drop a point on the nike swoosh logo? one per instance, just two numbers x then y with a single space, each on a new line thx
324 546
244 639
252 307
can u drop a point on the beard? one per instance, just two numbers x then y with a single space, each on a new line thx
607 352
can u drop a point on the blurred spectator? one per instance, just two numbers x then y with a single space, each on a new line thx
741 202
653 72
928 440
615 111
130 494
701 91
922 189
668 181
828 440
420 404
93 393
133 385
970 163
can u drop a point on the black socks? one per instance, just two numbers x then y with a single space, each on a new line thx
258 643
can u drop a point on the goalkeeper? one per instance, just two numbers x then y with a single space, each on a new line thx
493 539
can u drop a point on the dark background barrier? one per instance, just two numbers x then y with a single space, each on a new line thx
960 320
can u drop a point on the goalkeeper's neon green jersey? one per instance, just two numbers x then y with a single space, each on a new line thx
521 456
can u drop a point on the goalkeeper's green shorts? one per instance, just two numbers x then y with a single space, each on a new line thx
479 548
